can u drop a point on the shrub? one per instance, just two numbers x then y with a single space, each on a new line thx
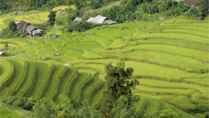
45 109
52 18
11 31
81 26
203 7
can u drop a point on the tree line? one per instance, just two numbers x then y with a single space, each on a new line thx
149 9
48 4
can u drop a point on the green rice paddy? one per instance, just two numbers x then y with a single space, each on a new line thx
169 57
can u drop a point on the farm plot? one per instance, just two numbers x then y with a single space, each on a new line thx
169 57
52 81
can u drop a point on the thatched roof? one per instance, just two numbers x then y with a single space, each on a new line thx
22 25
77 19
27 28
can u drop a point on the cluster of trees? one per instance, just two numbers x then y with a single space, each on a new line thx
145 9
24 103
79 26
203 6
3 6
33 4
98 3
48 4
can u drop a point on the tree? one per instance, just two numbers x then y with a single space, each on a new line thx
52 17
45 109
12 26
118 84
96 4
203 6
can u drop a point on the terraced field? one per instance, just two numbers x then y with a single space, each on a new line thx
169 57
38 80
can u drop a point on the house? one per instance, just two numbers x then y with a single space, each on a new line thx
22 25
28 29
2 54
101 20
77 19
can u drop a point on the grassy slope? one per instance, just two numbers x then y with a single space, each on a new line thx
169 57
13 113
5 113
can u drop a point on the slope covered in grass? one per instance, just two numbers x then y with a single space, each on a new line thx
169 57
61 83
40 79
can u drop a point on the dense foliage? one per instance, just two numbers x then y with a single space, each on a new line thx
52 17
203 6
140 9
80 26
118 95
98 3
33 4
3 6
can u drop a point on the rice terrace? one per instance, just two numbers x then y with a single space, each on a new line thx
56 58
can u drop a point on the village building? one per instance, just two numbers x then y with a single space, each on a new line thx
101 20
28 29
77 19
2 54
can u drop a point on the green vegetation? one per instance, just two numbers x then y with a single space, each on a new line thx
203 7
6 113
10 31
118 94
169 55
52 17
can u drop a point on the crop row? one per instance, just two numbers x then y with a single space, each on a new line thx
57 82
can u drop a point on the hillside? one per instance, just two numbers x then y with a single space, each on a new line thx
163 41
169 57
25 79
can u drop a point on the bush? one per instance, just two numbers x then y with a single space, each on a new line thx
81 26
45 109
11 31
7 33
52 18
203 7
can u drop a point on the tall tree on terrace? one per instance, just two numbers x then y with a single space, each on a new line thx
118 84
52 17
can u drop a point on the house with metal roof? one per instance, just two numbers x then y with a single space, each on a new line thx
101 20
77 19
